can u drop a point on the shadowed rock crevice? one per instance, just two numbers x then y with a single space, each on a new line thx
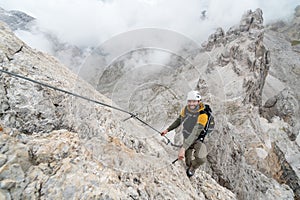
287 175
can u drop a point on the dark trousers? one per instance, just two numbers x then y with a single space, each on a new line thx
197 151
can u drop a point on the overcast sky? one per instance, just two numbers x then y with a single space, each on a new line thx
89 22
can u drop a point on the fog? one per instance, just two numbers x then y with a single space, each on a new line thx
91 22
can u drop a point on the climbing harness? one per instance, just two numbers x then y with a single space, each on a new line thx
132 115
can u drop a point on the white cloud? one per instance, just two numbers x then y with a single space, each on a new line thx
91 22
35 40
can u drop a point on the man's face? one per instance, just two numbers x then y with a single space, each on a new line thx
192 104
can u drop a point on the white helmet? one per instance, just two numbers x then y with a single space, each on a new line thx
193 95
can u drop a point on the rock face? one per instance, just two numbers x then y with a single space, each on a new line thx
105 159
246 147
289 29
281 95
257 70
16 19
58 166
55 146
233 68
20 22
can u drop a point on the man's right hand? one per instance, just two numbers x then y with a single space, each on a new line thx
164 132
181 153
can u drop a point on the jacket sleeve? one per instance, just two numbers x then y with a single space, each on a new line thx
175 124
199 127
178 121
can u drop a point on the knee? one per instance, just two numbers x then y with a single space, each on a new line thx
201 161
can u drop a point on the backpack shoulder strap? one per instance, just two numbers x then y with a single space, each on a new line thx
206 110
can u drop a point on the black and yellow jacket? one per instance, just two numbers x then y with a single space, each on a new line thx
193 124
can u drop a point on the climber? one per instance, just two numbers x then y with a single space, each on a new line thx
194 120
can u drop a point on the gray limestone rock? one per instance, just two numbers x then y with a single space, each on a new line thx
77 149
105 159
